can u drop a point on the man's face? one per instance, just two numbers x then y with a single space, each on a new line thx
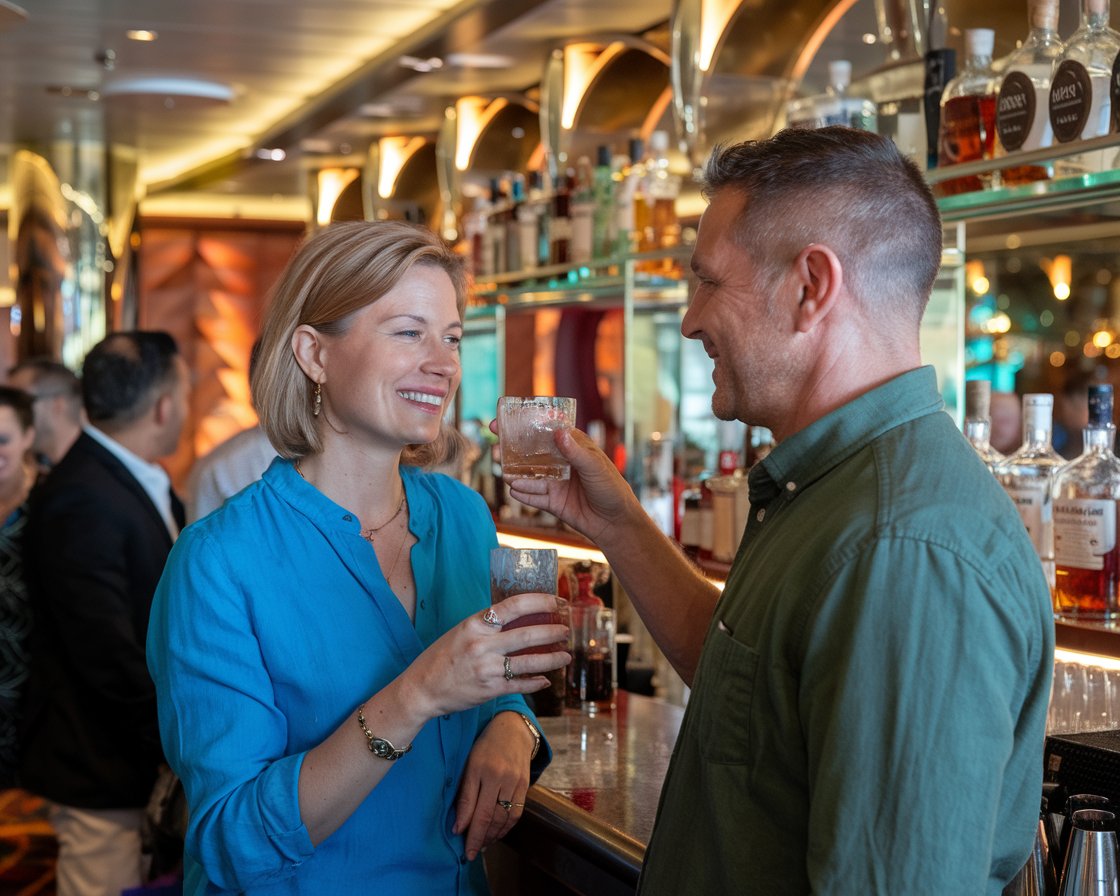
47 407
739 323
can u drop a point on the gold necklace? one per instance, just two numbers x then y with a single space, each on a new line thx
368 534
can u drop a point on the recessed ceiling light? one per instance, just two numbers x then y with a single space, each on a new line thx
141 34
274 154
479 60
870 38
193 90
316 145
421 65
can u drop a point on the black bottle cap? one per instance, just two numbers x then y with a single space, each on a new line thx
603 156
637 149
1100 404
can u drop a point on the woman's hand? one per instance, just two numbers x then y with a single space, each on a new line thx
468 665
497 769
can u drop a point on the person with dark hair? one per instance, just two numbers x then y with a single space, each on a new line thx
335 692
57 393
17 474
869 692
230 465
99 529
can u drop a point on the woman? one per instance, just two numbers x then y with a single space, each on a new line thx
333 690
16 478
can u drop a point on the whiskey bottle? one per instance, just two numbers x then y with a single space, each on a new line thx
968 113
1086 492
1027 475
1023 106
978 421
835 106
662 189
1080 100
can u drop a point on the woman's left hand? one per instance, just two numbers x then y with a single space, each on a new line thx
497 770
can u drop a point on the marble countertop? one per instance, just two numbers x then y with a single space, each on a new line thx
600 792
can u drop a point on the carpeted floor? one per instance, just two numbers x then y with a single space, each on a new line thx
27 846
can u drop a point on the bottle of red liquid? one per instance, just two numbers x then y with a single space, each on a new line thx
968 114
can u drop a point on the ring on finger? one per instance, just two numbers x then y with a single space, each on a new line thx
508 671
506 804
490 617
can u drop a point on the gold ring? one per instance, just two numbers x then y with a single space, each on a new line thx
508 673
506 804
490 617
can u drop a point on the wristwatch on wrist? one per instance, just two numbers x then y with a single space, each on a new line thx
533 730
378 746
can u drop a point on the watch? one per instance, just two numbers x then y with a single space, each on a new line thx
533 730
378 746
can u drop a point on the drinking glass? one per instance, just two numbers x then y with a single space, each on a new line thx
521 571
526 428
591 674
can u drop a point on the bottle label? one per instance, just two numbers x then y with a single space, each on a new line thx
1035 511
1084 532
1071 100
1015 110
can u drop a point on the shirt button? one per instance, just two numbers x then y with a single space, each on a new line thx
462 860
423 606
760 515
447 782
447 718
791 486
348 518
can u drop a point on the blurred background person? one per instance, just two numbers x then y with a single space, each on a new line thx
229 466
99 529
1071 412
57 395
1007 422
17 473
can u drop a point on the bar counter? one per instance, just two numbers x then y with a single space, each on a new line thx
588 818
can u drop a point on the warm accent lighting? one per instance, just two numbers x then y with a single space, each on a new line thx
998 323
1102 339
582 64
1059 270
472 115
714 17
394 153
1057 359
974 274
141 34
331 183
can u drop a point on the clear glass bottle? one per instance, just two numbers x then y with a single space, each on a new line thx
583 212
1027 475
1023 106
603 226
978 421
1080 98
835 106
968 114
662 188
1086 492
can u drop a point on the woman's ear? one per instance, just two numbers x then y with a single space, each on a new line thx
310 352
821 279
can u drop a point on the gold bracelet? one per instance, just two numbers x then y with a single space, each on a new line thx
378 746
536 735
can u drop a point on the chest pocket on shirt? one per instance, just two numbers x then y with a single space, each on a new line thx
727 691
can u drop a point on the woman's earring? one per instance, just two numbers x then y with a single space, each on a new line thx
317 406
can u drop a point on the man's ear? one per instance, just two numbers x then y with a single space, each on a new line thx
821 279
161 410
310 352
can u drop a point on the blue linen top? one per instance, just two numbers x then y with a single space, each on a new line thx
271 624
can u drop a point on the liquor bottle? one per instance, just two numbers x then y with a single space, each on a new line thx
662 189
560 223
978 421
835 106
629 177
528 225
496 228
1086 496
1027 475
512 220
968 114
602 188
582 212
941 67
1022 109
1080 100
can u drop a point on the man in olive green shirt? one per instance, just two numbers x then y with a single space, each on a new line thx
869 694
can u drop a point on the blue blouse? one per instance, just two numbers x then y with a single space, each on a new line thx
271 624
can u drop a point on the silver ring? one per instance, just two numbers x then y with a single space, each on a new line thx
508 674
506 804
490 617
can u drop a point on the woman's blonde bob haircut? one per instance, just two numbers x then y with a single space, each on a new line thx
339 271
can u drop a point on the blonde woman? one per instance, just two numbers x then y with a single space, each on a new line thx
334 691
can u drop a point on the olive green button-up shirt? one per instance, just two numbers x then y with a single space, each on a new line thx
868 714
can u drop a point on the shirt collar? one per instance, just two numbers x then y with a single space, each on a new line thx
809 454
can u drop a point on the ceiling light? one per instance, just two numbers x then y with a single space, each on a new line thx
141 34
271 154
479 60
175 89
421 65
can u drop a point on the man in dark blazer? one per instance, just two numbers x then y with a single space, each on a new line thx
99 530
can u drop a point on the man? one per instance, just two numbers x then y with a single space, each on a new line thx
869 693
99 531
57 393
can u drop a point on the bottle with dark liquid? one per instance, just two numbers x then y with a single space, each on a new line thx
968 114
1023 105
1086 492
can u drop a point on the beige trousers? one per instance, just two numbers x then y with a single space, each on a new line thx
98 850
